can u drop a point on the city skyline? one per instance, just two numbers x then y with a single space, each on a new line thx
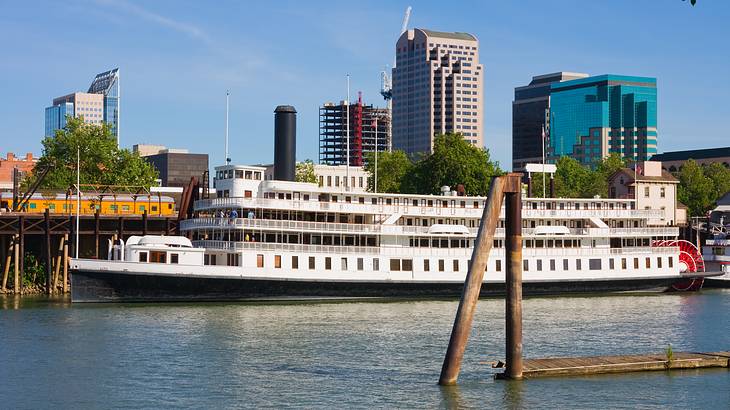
178 62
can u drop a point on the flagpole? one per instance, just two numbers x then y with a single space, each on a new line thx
543 160
375 122
78 197
347 133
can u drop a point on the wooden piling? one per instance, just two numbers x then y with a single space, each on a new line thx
144 223
49 259
59 260
473 284
6 258
513 283
65 263
16 265
20 261
96 234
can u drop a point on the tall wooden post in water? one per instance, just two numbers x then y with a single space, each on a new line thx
513 283
505 185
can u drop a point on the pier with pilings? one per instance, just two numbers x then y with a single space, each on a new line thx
52 239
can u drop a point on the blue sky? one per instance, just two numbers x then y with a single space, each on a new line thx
177 58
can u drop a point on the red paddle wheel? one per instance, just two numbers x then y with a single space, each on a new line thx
690 260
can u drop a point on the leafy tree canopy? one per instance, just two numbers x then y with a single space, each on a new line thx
695 189
393 167
305 172
102 162
454 161
574 180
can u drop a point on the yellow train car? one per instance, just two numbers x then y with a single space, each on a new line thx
108 204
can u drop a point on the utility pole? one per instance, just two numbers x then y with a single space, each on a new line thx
228 159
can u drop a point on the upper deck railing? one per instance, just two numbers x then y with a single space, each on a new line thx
335 228
451 210
426 251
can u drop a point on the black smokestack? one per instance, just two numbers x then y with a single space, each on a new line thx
285 142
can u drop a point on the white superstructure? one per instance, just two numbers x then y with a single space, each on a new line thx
275 229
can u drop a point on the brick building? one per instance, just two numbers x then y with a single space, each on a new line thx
25 164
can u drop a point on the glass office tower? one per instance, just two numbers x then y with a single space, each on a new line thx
56 117
593 117
107 83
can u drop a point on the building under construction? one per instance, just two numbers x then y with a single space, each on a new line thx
368 128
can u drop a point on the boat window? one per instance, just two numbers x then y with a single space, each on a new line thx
525 265
376 264
213 260
374 201
277 261
623 263
328 263
456 265
426 265
407 264
343 264
257 175
552 264
158 257
648 263
636 263
311 262
143 256
671 262
260 261
174 258
659 262
395 265
295 262
611 264
539 264
441 265
360 264
565 264
594 264
498 265
578 265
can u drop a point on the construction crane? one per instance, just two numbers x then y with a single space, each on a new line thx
386 83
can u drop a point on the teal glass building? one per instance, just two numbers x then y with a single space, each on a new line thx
593 117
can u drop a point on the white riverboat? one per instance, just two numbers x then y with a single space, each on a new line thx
270 239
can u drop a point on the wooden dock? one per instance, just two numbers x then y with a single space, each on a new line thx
582 366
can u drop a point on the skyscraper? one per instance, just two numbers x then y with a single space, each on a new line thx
437 88
99 104
363 137
593 117
530 110
107 84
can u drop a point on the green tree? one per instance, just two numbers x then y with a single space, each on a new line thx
455 161
695 189
394 169
305 172
102 162
574 180
720 176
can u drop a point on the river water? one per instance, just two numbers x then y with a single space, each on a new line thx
348 355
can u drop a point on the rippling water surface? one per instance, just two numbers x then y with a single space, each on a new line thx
54 354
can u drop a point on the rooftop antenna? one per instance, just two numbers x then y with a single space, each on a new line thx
386 83
228 159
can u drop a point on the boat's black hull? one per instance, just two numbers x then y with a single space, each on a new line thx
95 286
716 283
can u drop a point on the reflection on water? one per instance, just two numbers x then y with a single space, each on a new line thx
346 354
